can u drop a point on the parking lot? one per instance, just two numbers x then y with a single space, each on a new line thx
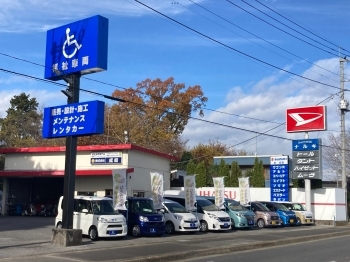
30 238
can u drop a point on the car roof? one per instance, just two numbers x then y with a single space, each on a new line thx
169 201
91 198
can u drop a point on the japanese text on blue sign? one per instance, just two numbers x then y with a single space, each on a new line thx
74 119
279 180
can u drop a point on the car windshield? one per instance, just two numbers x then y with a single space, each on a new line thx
207 205
235 206
144 206
298 207
281 207
103 207
260 207
175 208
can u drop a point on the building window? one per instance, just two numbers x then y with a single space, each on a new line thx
85 193
137 193
109 192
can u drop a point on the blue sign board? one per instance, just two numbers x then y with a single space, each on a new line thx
306 145
80 47
279 179
77 119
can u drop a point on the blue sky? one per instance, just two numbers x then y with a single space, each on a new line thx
144 44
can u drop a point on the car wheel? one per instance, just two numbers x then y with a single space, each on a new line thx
136 231
204 226
169 227
93 233
261 223
59 225
233 225
298 221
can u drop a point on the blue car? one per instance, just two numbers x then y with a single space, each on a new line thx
142 218
241 217
288 217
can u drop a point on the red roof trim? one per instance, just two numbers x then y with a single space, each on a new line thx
22 150
59 173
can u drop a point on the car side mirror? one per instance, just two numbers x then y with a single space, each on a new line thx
85 210
161 211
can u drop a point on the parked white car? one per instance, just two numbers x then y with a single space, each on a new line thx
210 216
95 216
177 218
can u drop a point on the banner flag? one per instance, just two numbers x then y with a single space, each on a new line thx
119 188
244 190
190 192
157 189
219 190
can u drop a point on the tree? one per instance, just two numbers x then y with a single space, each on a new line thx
236 173
213 171
201 175
258 177
206 152
331 155
154 114
185 158
191 168
224 169
22 125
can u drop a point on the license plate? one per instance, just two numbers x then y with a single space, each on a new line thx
113 232
192 225
152 230
308 221
291 221
225 225
273 222
251 222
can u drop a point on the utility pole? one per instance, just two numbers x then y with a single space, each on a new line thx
343 106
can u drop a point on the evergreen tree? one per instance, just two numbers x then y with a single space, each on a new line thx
22 125
213 171
258 178
201 175
191 168
236 173
224 169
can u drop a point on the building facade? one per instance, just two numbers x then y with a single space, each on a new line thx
36 175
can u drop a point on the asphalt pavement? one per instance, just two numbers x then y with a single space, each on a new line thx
29 239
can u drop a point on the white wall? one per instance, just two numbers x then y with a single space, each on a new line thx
325 202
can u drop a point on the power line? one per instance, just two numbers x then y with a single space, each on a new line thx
229 47
336 55
299 25
289 26
303 59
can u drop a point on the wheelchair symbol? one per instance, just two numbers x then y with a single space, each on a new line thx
68 42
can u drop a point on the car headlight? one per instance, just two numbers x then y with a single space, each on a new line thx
284 214
124 219
178 217
267 215
144 219
240 215
213 216
102 220
162 218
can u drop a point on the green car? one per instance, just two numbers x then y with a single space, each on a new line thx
241 217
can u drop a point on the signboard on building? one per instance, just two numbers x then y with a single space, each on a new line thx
279 178
80 47
108 158
306 119
77 119
307 159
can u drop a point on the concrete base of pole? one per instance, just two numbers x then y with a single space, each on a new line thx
66 237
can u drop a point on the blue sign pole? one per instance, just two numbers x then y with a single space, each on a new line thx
70 161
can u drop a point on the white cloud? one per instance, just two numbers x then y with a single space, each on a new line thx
34 15
268 100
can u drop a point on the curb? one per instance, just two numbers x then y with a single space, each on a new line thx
237 248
